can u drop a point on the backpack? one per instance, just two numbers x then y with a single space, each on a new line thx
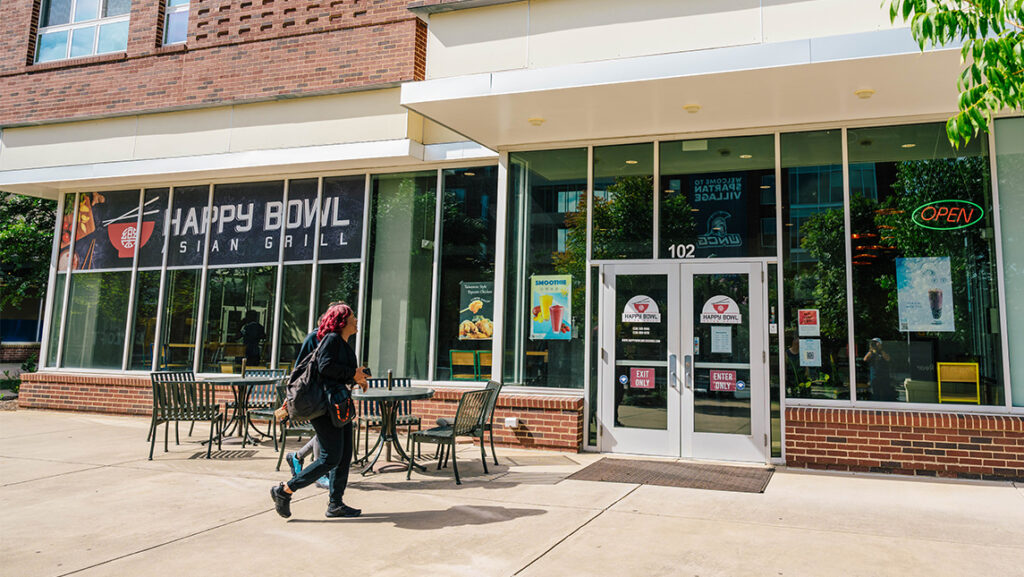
305 398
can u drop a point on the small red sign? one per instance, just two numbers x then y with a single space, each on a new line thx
808 316
723 380
642 378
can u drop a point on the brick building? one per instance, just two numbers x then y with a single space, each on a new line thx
728 230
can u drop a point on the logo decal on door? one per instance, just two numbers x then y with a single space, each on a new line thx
641 309
721 310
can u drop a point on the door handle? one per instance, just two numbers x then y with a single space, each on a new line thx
672 376
688 371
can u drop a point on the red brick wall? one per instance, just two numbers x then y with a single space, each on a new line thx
553 423
544 422
237 51
909 443
18 353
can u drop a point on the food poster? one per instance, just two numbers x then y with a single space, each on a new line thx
476 311
925 292
107 231
551 307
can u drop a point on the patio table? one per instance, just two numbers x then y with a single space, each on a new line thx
388 399
240 387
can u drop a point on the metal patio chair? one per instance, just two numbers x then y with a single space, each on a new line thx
168 377
185 401
468 418
487 423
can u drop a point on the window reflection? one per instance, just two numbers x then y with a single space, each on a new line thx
924 279
546 236
814 258
239 310
465 321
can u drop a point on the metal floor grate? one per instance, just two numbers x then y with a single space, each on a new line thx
225 455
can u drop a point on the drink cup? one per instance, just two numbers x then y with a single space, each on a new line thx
545 305
935 303
556 318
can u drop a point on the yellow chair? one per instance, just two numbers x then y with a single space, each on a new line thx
483 364
959 374
463 363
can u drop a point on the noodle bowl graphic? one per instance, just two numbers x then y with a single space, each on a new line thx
124 235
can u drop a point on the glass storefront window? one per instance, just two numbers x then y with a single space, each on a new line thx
181 309
97 309
623 221
814 266
396 324
546 243
295 293
239 310
465 320
56 320
1010 165
717 198
143 339
925 302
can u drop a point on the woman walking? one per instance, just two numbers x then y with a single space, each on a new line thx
338 367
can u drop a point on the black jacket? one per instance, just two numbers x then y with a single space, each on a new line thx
337 361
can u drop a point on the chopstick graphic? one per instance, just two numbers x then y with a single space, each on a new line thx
133 213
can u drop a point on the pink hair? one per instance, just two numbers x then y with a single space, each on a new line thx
333 320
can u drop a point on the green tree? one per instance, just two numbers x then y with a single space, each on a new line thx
26 236
992 33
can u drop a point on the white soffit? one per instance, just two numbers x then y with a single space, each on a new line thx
374 156
762 85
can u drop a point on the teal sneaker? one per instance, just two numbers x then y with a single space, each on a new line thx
324 483
295 464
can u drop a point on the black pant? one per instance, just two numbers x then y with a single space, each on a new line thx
335 458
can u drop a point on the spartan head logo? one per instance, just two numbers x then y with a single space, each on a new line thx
717 225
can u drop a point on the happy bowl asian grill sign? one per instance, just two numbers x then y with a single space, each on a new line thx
948 214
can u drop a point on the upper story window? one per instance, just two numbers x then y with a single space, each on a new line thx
75 28
176 23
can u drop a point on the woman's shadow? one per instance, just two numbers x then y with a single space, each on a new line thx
437 519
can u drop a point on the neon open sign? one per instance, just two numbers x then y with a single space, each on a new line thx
947 214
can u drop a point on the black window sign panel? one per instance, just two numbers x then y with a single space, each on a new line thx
106 232
720 201
154 213
341 219
300 235
188 220
246 223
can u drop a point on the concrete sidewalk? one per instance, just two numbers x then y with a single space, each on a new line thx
77 496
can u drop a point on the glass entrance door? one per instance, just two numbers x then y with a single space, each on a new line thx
724 362
683 368
641 394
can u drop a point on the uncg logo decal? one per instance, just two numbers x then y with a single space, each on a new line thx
947 214
717 234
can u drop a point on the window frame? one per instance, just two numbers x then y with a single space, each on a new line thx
70 27
170 9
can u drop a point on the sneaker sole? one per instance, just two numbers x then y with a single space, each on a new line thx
274 497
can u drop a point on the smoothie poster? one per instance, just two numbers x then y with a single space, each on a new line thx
925 294
551 307
476 311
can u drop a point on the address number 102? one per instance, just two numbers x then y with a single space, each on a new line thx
681 250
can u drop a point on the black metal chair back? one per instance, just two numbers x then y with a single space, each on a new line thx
263 395
372 408
470 413
184 401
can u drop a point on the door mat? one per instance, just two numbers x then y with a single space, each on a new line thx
678 474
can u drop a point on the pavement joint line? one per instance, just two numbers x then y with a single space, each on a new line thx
51 432
576 530
65 473
177 539
811 529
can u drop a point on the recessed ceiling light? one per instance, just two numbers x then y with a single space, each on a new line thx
864 93
692 108
536 120
765 186
908 145
694 210
669 191
746 156
631 162
469 173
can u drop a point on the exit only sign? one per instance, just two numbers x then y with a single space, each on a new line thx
641 378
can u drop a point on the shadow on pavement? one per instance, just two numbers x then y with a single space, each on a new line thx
430 520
